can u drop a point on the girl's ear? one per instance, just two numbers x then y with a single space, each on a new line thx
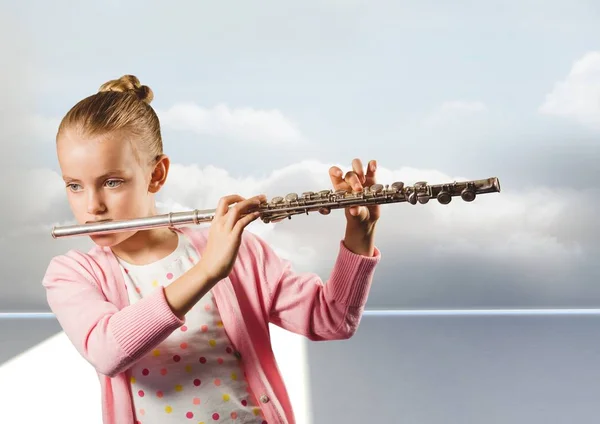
159 174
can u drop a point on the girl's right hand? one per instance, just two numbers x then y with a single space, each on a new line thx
225 235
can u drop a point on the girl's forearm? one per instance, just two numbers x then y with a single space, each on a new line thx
187 290
360 239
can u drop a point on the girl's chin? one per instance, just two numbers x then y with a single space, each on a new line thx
111 239
105 240
108 240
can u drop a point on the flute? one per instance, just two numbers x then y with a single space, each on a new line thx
292 204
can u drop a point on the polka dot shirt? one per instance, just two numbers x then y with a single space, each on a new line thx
193 376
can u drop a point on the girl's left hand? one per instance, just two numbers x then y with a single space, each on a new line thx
355 180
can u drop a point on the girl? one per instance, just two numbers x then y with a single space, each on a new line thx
175 321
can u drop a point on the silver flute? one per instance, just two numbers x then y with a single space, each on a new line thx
280 208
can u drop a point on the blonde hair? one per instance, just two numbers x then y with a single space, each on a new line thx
119 105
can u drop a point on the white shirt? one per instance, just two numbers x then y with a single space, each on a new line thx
193 375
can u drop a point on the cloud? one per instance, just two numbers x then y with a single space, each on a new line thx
522 247
459 106
451 111
577 96
269 127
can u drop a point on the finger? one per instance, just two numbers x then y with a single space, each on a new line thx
337 179
243 208
359 211
371 178
353 181
244 222
357 167
225 201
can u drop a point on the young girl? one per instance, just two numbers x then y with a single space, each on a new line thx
175 320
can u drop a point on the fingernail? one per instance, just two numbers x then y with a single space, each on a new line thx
373 166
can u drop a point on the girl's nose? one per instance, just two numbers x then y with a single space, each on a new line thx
95 204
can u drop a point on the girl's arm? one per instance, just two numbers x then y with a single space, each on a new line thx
303 304
111 340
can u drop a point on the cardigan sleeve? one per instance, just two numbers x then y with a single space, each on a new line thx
304 304
111 340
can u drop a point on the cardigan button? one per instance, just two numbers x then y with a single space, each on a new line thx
237 354
264 398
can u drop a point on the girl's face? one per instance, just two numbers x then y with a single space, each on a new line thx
105 181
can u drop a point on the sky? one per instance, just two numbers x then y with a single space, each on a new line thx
265 97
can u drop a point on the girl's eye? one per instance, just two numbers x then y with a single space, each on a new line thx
113 183
73 186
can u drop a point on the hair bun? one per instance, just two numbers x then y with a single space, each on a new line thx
129 84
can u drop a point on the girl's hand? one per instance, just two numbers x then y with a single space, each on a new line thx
355 180
225 235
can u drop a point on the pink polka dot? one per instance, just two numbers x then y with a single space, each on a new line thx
145 371
220 360
126 271
207 307
197 382
204 328
189 415
233 415
141 393
228 350
217 382
202 360
244 402
177 358
215 416
142 411
196 401
159 394
169 275
138 290
163 371
184 328
183 345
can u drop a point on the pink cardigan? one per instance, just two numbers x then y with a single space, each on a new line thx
87 294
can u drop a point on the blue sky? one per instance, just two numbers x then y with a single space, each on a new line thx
355 79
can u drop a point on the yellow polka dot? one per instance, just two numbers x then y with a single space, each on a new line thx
220 324
225 397
168 409
156 352
132 380
256 411
188 368
178 388
233 376
155 283
213 343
